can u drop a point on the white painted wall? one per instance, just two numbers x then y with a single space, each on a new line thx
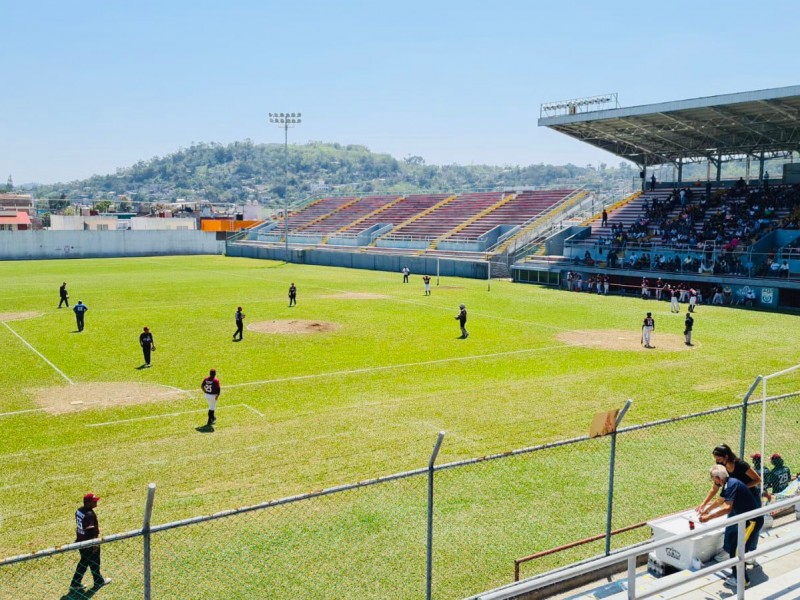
79 223
25 245
152 223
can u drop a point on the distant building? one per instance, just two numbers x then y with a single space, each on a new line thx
12 220
17 202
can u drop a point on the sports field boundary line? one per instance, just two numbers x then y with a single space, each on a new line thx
161 416
19 412
402 366
42 356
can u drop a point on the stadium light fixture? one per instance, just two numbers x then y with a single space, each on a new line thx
285 121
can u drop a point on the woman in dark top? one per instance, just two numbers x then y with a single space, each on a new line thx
737 468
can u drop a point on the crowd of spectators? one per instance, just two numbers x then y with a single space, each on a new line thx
712 227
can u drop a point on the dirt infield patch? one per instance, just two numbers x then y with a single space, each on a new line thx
18 316
620 339
358 296
292 326
84 396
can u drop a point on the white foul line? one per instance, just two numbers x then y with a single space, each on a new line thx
174 414
59 371
19 412
400 366
260 414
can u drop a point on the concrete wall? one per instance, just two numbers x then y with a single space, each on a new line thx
27 245
419 265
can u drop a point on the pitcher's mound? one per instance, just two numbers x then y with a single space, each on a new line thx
18 316
357 296
621 339
83 396
292 326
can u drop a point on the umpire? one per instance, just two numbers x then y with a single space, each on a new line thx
148 344
80 312
239 316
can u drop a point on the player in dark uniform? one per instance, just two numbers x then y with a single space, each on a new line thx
293 295
239 317
62 293
87 528
648 325
147 344
80 312
687 330
462 319
212 390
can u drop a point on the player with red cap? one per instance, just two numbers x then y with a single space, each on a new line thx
88 528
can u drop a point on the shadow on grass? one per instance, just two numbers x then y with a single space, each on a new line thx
205 429
80 594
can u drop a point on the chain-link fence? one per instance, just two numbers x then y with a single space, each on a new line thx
369 540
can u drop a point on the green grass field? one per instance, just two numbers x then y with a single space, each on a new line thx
303 412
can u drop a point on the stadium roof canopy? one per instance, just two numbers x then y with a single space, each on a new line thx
716 128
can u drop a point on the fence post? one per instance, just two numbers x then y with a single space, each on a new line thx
743 428
612 460
148 512
429 566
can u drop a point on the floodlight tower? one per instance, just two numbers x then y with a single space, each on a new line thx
285 120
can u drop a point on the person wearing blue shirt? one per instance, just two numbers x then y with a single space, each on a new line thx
735 499
80 311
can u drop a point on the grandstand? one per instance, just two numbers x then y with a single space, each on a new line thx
471 226
737 235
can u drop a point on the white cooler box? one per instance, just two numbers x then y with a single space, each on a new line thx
680 555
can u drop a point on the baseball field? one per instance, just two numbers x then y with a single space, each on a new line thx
353 383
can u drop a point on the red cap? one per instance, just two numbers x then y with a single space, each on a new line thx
91 498
756 455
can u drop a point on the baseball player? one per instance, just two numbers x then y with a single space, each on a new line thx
462 319
62 293
659 289
211 388
147 344
692 299
406 273
673 299
293 295
80 312
426 279
687 330
648 326
87 528
239 317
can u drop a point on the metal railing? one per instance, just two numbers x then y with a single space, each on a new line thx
631 555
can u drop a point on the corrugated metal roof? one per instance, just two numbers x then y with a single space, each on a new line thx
730 125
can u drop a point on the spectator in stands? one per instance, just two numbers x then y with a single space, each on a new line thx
604 222
765 181
652 182
735 499
784 270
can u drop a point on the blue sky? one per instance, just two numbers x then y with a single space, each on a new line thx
91 86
